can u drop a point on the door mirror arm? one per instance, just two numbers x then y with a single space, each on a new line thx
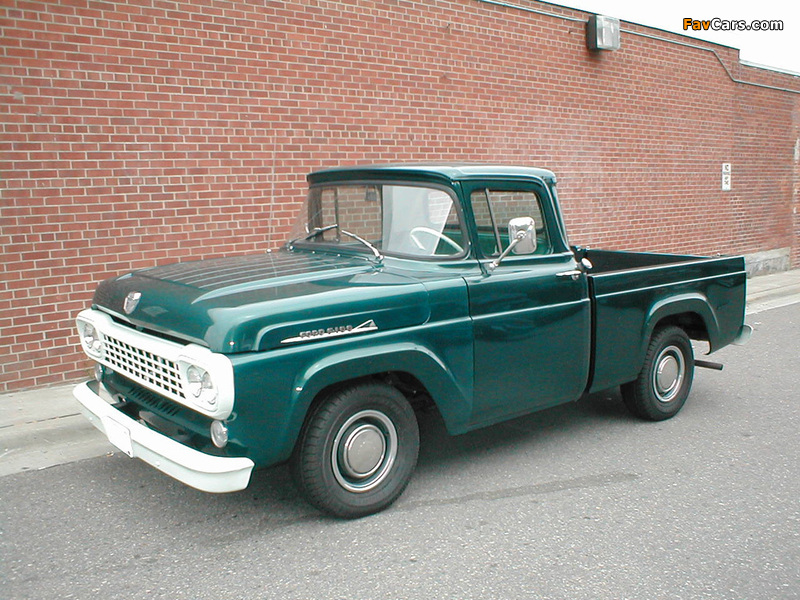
519 236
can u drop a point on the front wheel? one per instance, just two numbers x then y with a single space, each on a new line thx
663 384
357 451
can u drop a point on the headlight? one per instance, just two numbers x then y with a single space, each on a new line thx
91 339
200 386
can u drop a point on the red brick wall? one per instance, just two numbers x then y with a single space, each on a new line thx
143 132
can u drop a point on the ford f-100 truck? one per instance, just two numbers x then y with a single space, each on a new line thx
403 286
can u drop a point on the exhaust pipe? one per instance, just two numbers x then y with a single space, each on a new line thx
706 364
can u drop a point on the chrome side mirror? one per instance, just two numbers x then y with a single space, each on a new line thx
524 230
522 237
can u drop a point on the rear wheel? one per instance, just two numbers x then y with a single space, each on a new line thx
663 384
357 451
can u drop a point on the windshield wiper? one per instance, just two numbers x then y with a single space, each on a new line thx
358 238
313 233
317 230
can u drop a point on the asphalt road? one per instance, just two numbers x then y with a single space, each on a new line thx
578 502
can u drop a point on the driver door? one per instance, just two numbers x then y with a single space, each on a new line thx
531 313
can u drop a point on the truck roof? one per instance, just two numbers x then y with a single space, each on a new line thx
450 172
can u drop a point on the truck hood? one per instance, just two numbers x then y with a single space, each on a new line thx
264 301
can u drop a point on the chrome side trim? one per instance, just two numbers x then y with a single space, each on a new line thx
331 332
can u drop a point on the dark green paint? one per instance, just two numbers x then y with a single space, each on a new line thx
486 345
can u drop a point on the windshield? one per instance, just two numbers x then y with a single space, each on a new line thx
391 219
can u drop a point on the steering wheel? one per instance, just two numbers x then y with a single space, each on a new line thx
434 233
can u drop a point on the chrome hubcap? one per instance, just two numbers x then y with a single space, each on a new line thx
669 373
364 451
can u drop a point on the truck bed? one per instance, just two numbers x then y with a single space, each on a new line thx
635 291
605 261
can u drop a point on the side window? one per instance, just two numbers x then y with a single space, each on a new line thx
494 208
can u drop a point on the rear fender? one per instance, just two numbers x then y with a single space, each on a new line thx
677 305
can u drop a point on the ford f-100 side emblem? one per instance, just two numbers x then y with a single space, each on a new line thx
329 332
131 302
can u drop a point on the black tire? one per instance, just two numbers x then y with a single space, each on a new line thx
357 451
663 384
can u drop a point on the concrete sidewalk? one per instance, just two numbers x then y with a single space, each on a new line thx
773 291
43 427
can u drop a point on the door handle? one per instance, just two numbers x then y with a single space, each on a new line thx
573 274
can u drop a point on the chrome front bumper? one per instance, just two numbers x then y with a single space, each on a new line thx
192 467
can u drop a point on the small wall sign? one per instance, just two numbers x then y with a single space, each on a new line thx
726 177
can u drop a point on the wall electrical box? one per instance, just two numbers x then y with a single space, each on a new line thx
602 33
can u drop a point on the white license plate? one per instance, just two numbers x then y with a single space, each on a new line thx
119 435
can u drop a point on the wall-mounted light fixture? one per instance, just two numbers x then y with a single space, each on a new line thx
602 33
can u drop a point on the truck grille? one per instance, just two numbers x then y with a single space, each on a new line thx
160 365
140 365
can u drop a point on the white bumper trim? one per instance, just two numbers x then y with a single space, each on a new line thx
196 469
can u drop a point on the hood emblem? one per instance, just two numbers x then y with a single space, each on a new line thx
131 302
329 332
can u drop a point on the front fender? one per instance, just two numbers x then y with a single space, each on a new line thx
454 399
275 389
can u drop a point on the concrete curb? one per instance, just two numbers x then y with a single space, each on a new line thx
773 291
43 427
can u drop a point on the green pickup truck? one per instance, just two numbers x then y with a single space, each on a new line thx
402 287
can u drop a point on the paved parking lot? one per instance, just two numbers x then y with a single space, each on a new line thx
581 501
